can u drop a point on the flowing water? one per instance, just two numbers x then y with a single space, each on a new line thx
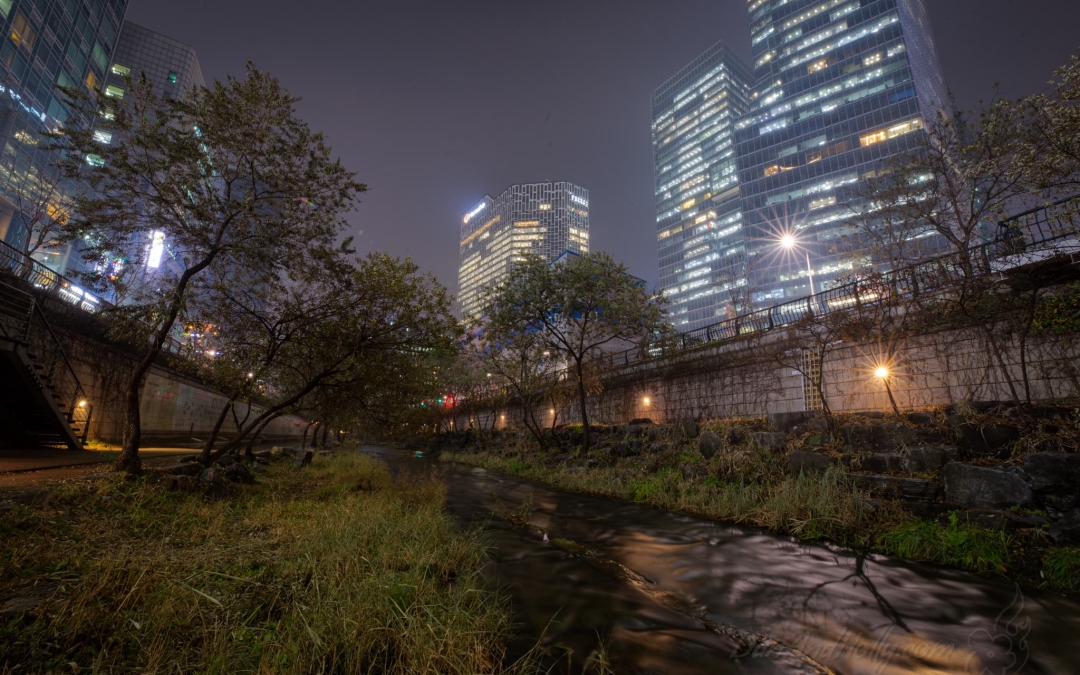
668 593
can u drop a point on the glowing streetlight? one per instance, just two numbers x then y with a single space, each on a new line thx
788 242
883 374
646 400
82 403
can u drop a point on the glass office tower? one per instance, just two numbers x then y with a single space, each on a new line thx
171 67
45 43
546 219
698 215
843 88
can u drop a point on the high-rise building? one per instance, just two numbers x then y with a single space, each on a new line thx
545 219
172 69
45 43
698 216
843 88
170 66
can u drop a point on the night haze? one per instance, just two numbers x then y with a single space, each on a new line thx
435 104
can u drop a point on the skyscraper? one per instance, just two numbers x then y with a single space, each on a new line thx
698 214
171 67
541 218
45 43
172 70
843 88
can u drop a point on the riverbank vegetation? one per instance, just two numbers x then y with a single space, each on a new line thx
335 568
753 486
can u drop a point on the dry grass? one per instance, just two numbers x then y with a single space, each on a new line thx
333 569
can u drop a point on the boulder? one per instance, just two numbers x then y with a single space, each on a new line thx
692 471
710 444
886 462
1066 531
305 459
630 447
689 428
988 487
991 440
928 458
641 421
736 436
916 489
784 422
238 473
805 461
773 440
634 430
1055 478
816 425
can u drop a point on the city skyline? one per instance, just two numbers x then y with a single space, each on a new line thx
579 111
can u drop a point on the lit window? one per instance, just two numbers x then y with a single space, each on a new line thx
95 160
114 91
103 137
872 59
527 223
545 207
118 69
818 65
772 170
813 156
22 33
871 139
172 77
5 7
822 203
688 204
92 81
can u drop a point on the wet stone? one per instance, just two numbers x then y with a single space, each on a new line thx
921 419
773 440
710 444
882 463
928 458
689 428
917 489
977 486
807 462
1055 478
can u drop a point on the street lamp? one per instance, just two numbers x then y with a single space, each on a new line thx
882 373
788 242
647 400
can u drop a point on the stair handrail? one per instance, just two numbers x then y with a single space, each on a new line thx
35 308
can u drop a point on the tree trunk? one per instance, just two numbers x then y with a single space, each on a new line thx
208 447
248 451
303 439
324 432
584 406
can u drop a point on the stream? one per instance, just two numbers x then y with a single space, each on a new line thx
669 593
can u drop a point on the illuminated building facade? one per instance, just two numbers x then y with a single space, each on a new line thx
698 214
45 43
172 70
546 219
843 88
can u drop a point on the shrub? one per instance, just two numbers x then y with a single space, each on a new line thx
956 544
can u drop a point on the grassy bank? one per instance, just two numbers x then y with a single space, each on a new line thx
332 569
818 506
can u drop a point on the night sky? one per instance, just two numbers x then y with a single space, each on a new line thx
434 103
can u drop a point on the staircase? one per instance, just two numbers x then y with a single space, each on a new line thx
42 402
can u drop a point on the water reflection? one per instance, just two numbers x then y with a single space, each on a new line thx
670 593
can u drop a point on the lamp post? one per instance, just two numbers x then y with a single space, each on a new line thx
788 242
882 373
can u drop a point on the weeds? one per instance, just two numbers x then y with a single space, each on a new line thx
1061 570
333 569
956 544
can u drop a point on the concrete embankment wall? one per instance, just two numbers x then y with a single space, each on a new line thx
173 406
763 374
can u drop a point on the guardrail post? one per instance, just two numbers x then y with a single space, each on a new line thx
29 321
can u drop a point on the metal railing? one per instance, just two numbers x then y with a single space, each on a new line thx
23 322
1037 228
18 264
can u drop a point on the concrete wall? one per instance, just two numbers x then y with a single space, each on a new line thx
173 407
762 374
